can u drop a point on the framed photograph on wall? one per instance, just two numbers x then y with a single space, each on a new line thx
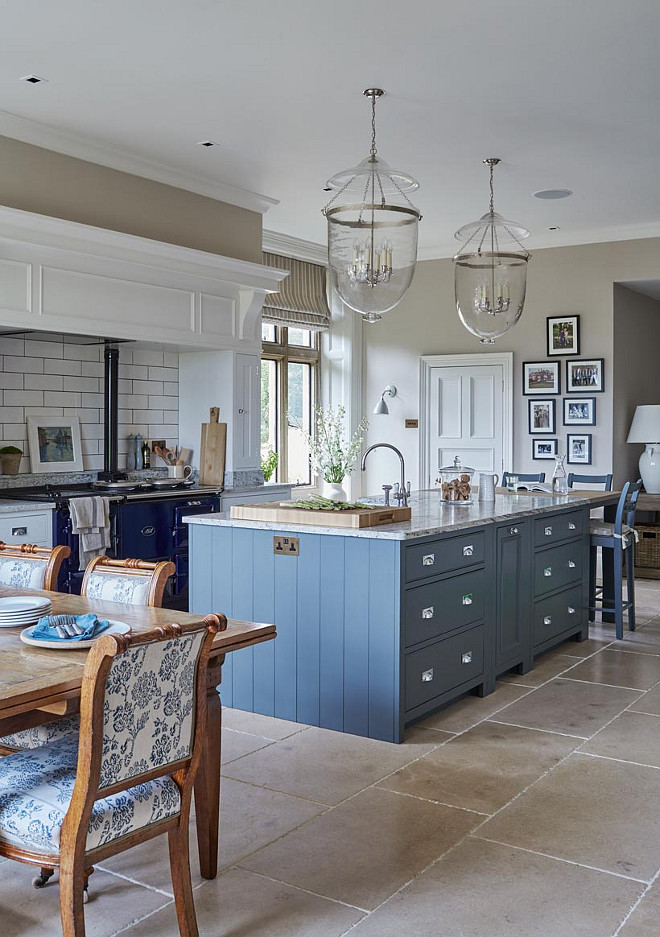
563 335
541 416
54 443
541 377
578 448
544 448
579 411
585 376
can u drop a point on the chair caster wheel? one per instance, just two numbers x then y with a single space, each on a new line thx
85 895
39 881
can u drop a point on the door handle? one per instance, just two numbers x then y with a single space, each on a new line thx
514 530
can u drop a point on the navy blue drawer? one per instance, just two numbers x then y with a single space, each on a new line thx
550 530
558 567
557 613
434 670
440 607
440 556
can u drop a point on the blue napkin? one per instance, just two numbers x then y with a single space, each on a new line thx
46 630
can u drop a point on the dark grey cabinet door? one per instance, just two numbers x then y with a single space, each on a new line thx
512 597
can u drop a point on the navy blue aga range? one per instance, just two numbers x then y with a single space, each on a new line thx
146 522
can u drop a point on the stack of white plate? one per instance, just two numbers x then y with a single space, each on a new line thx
18 611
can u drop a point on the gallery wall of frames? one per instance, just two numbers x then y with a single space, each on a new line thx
565 372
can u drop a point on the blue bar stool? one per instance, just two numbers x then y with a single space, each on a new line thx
618 536
604 480
522 478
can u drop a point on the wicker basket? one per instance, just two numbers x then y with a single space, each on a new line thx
647 550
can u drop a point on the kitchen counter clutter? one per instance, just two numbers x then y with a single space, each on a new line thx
377 627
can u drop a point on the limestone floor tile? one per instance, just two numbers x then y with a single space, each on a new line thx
631 737
326 766
115 903
616 667
265 726
483 768
639 642
241 904
236 744
577 648
649 702
643 922
364 850
470 710
588 810
250 817
545 668
487 890
566 706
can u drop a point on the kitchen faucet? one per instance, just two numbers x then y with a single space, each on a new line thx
401 490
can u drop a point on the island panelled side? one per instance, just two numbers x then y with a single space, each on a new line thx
373 633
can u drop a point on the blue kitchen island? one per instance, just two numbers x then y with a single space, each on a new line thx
377 627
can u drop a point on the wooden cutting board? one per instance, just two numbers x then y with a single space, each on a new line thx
212 450
358 517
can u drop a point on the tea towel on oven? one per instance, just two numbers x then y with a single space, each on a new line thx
90 518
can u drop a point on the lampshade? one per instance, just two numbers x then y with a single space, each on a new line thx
372 232
645 426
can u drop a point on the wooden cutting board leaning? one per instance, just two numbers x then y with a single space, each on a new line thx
356 517
212 450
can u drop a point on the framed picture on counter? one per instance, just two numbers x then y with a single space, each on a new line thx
544 448
54 443
563 335
541 416
541 377
578 448
579 411
585 376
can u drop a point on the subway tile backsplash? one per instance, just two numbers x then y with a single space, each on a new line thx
60 378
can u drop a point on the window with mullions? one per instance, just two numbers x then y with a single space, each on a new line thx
289 380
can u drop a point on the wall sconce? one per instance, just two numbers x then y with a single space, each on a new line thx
381 407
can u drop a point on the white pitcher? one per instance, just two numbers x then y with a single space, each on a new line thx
487 485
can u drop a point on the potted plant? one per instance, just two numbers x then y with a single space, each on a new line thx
10 459
269 464
332 454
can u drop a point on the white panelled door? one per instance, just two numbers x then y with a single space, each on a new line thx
465 408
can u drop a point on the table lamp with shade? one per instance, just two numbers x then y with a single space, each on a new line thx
645 428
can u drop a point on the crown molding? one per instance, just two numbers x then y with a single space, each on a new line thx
297 248
50 138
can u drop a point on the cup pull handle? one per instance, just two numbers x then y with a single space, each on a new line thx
547 620
468 551
547 571
571 610
514 530
427 675
427 612
572 564
572 526
466 657
468 598
428 559
548 531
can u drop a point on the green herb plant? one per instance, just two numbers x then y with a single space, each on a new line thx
269 464
11 450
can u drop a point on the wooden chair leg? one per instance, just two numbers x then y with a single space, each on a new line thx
593 555
72 886
630 581
618 590
181 882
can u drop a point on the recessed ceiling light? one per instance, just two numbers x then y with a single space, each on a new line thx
553 193
207 143
33 79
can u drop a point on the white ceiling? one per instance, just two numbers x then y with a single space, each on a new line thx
565 92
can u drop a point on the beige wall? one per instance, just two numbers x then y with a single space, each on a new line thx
48 183
561 281
636 372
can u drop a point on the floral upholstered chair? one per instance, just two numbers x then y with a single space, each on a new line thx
26 566
143 719
137 583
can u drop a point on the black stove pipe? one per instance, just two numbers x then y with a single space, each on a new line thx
111 416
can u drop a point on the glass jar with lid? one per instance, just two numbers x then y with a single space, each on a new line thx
456 482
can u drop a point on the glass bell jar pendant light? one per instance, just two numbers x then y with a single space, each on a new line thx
372 231
490 283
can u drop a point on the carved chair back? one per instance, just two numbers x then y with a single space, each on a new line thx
26 566
134 582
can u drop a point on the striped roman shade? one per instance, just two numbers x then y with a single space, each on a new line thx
301 301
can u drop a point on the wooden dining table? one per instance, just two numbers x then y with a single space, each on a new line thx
39 684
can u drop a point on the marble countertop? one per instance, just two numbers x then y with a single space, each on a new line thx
21 507
429 515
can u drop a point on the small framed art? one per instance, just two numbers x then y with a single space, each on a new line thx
55 444
541 416
544 448
541 377
579 411
563 335
585 375
578 447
